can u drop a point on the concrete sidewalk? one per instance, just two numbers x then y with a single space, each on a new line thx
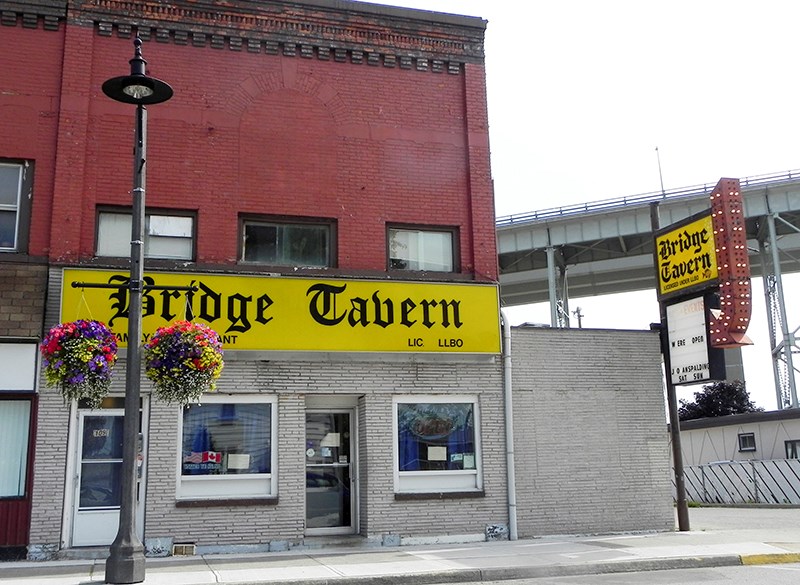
719 537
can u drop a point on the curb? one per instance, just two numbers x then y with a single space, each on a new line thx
506 574
462 575
545 571
771 559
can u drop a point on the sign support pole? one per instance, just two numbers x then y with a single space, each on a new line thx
675 431
672 406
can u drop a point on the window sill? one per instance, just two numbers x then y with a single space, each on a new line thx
219 503
438 495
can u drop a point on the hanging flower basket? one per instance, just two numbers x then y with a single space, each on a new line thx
78 358
183 361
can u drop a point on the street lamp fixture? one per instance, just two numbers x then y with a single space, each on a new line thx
125 563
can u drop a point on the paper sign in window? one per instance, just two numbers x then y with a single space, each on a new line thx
437 453
238 461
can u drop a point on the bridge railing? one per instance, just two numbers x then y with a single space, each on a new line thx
772 179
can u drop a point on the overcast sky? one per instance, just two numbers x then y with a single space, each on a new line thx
582 92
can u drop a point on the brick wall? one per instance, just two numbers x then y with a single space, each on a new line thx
366 134
379 512
22 298
286 136
31 63
591 442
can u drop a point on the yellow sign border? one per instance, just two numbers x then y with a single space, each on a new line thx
686 256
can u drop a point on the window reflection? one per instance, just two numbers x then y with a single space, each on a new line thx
226 439
436 436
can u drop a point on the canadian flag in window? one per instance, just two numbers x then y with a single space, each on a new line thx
203 457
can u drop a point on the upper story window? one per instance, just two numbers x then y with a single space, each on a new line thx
288 243
169 237
16 180
422 249
792 449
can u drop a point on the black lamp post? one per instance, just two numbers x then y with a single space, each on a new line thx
126 561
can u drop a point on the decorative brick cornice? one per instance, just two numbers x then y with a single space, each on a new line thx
341 31
29 13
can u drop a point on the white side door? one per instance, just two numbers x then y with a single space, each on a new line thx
97 486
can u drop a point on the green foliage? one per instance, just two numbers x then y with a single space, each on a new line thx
718 399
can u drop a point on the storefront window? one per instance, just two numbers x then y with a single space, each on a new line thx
435 436
14 428
437 447
227 437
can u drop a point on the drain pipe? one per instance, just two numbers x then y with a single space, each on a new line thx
509 420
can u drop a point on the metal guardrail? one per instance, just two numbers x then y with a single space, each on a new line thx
775 481
773 179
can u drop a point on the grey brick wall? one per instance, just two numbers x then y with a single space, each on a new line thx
379 512
591 442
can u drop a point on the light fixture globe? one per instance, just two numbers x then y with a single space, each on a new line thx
137 88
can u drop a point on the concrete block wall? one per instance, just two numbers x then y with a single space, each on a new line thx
591 442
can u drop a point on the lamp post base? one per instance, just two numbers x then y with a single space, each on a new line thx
126 563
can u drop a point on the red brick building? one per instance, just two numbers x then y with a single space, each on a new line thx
314 152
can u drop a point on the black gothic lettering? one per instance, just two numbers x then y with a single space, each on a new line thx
323 303
237 313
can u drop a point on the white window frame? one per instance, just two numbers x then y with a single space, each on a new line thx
417 235
114 241
230 487
435 481
15 208
18 363
747 442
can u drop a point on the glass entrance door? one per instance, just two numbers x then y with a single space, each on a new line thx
99 473
329 479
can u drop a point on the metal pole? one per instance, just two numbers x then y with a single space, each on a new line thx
551 285
672 403
787 336
768 283
675 432
126 561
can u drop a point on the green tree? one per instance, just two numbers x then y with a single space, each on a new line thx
718 399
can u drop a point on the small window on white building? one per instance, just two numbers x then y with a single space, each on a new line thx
422 249
793 449
437 444
169 237
226 448
747 442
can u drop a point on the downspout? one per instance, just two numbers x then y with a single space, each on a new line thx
509 420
